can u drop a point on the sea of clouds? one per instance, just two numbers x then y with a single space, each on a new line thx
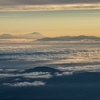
69 58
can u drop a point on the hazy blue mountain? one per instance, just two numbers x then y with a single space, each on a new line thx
34 35
71 38
7 36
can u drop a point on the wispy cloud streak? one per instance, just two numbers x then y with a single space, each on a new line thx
46 75
25 84
49 7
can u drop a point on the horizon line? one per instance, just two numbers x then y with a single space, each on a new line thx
48 36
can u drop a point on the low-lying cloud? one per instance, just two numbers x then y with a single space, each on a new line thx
63 73
46 75
87 68
25 84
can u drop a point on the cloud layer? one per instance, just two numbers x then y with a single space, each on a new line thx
49 7
46 75
25 84
35 5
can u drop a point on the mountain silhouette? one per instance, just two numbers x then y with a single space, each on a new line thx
42 69
6 36
71 38
34 35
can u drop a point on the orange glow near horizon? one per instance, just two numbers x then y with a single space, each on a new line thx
51 23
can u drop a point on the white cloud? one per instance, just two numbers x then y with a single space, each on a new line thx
10 70
87 68
39 75
6 75
63 73
1 70
46 75
25 84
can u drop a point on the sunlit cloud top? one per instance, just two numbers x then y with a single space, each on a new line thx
20 5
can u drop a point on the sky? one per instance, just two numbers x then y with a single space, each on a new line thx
50 17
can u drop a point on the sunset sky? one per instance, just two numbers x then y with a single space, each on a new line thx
50 17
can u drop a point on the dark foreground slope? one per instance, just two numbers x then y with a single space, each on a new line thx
58 86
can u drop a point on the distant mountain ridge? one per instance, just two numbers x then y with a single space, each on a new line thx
34 35
71 38
6 36
40 37
42 69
